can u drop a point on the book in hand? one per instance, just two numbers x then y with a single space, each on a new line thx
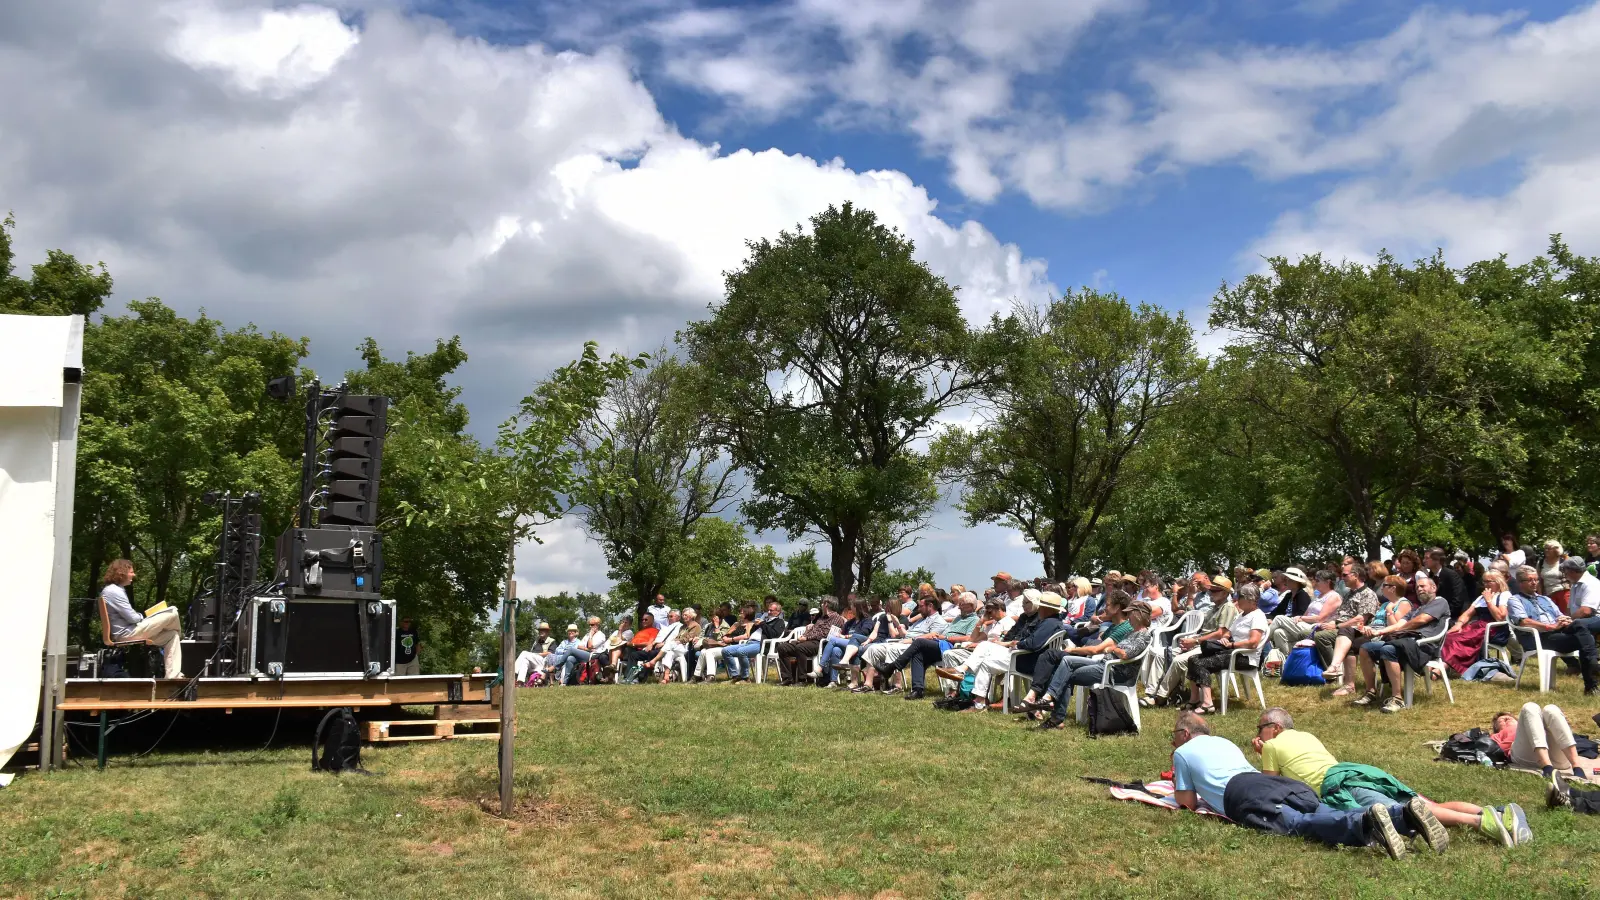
159 607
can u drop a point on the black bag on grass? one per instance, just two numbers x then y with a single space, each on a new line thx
1475 747
338 739
1109 713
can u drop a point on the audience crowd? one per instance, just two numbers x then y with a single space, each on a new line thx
1363 625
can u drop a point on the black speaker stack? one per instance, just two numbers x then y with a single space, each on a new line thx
323 612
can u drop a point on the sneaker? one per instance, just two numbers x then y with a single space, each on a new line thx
1381 830
1494 827
1425 823
1557 794
1517 823
1367 699
1394 705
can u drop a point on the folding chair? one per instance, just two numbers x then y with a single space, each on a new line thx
1544 658
1012 674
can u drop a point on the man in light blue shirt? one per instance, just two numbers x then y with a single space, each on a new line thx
1558 631
1203 764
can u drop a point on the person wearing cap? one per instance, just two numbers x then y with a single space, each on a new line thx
579 653
1262 579
1169 668
532 659
1043 662
1247 632
993 624
1291 628
1583 597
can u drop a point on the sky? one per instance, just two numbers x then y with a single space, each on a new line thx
531 175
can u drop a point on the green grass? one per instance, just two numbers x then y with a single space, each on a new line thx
725 791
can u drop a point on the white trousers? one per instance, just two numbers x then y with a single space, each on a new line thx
706 665
987 661
527 661
165 631
1540 729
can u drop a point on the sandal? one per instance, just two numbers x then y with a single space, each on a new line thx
1345 691
1205 710
1333 672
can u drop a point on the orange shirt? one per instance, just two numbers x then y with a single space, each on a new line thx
644 638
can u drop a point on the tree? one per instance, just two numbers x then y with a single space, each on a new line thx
650 476
718 564
803 578
831 355
889 533
1381 370
60 286
446 576
173 408
1082 382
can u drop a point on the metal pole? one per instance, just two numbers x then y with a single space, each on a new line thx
51 721
100 755
508 676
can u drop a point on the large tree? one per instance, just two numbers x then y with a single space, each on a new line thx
1382 371
832 354
650 475
1083 379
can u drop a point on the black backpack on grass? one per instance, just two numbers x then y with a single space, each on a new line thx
1109 713
338 739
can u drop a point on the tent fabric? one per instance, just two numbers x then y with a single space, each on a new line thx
33 352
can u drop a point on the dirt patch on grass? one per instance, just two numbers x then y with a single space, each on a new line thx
97 852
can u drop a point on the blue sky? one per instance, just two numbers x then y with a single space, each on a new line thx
530 175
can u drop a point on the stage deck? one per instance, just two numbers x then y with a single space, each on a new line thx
103 694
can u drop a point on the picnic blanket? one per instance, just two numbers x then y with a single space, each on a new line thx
1155 793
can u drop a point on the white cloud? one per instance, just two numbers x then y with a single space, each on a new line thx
278 51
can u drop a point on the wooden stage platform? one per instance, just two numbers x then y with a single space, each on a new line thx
456 697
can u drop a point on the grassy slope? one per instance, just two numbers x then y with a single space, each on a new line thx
724 791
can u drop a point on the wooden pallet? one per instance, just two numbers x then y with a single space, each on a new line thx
431 730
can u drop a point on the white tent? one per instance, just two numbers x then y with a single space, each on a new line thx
41 363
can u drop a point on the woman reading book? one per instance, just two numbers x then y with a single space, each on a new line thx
161 627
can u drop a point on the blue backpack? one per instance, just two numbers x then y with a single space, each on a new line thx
1302 668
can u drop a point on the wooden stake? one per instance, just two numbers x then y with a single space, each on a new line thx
508 678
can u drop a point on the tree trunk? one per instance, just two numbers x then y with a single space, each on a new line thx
1049 554
1061 556
844 554
644 594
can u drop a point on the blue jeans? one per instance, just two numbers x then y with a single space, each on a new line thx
737 658
1367 798
1381 651
570 663
833 651
1332 826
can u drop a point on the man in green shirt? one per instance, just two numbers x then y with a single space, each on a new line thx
927 651
1299 755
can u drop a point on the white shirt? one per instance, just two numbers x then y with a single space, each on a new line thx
1515 558
667 632
593 641
659 614
1162 603
1239 631
1014 607
998 629
1586 593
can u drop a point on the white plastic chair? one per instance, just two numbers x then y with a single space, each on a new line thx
1433 665
1012 674
769 652
1128 691
1162 639
1230 676
1545 659
1491 649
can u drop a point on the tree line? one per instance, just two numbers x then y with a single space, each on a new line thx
1351 407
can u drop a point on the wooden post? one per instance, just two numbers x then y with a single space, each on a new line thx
508 677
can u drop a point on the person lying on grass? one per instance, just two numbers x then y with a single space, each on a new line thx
1210 769
1541 739
1086 666
1299 755
1247 632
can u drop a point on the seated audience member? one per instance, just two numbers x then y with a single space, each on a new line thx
926 651
991 617
918 618
1350 625
667 634
770 625
1247 632
795 658
1583 597
715 637
1463 646
1540 739
677 646
541 664
566 664
1530 609
853 633
1154 597
532 659
1299 755
1211 770
1267 589
993 625
1292 627
883 621
1451 586
1169 665
1398 643
555 664
640 647
616 642
1086 666
1045 662
1294 593
993 656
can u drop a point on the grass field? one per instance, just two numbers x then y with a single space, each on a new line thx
747 791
